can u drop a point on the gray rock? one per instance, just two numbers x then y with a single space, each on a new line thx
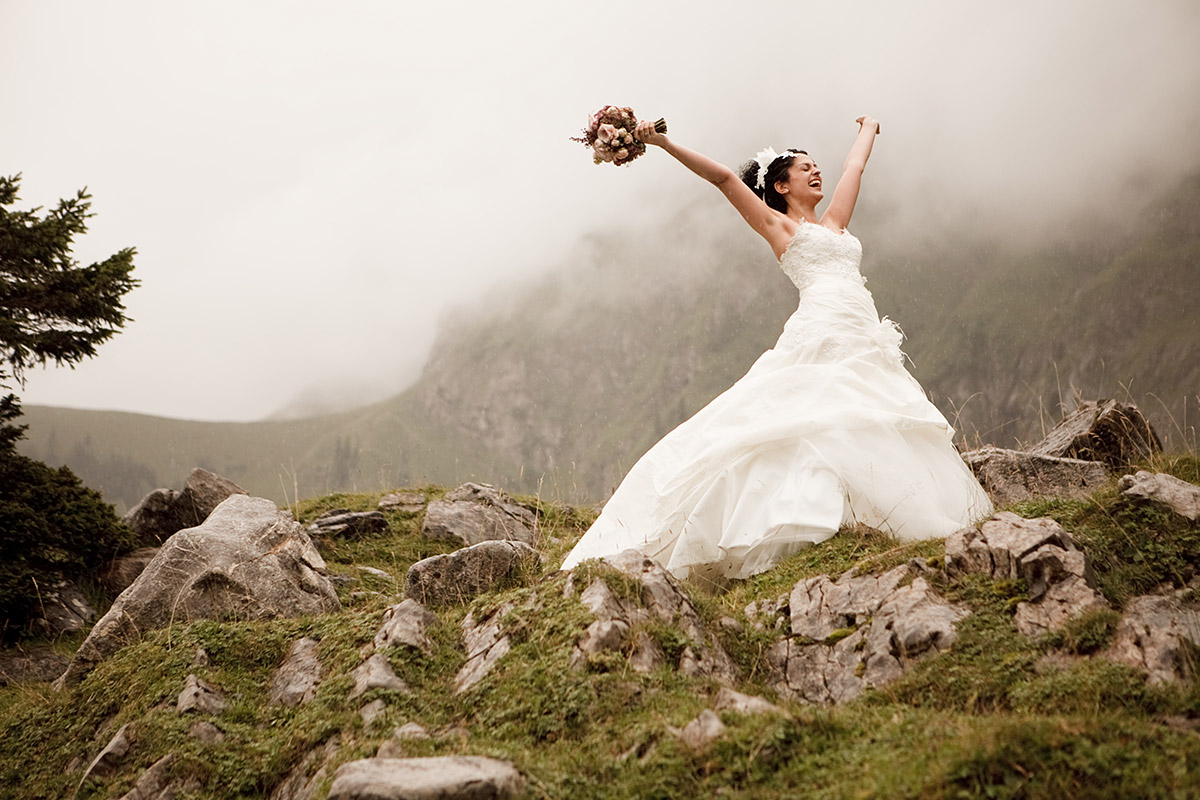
120 573
204 731
348 524
248 560
296 680
110 759
820 606
1156 487
1038 551
31 665
1010 476
410 502
155 517
647 656
1106 430
376 673
485 643
156 782
459 576
61 609
202 493
867 629
372 711
729 700
405 625
163 512
663 599
198 695
438 778
1157 634
701 732
302 782
394 747
475 513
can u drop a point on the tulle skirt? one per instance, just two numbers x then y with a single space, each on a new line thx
826 429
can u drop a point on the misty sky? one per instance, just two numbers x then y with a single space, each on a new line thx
314 188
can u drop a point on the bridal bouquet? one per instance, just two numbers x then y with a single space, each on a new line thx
610 135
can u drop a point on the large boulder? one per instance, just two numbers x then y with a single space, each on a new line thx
164 512
1010 476
475 513
1108 431
458 577
249 560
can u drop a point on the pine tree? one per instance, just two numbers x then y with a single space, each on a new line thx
52 310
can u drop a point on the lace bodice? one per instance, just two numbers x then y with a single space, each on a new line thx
816 251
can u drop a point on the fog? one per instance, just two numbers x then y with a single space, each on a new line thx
313 188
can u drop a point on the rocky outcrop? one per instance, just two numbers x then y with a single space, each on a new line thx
621 622
1010 476
248 560
459 576
475 513
1105 430
1039 552
1156 487
859 632
442 777
1158 634
164 512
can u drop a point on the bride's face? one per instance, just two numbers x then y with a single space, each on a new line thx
804 179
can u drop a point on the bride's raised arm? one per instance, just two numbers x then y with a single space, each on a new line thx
841 207
766 221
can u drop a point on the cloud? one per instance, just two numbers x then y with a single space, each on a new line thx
311 186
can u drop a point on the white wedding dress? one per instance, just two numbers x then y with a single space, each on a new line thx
826 429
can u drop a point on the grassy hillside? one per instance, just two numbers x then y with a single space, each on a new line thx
555 387
998 715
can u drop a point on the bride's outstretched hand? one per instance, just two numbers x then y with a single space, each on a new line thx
866 121
645 132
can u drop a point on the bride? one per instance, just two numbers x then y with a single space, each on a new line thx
826 429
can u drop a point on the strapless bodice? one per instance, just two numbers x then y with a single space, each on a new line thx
817 252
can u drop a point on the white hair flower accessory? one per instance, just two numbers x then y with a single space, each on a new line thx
765 159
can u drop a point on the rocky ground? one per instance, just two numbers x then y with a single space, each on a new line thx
424 644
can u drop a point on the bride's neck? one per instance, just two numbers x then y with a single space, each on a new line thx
803 213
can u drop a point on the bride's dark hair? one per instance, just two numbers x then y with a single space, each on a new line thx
777 170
